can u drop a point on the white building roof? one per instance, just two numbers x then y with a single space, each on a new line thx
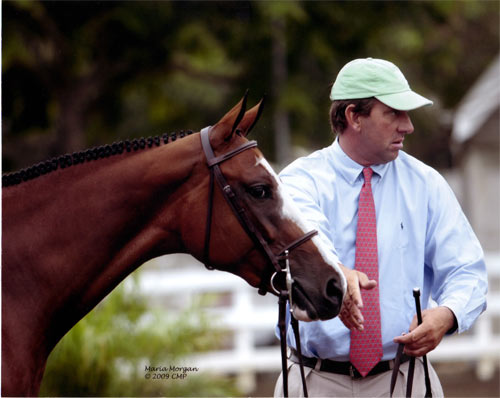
478 104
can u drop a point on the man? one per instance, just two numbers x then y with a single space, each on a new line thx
411 233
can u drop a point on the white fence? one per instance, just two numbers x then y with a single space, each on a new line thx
482 342
252 319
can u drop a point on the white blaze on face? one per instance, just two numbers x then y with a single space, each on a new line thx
291 211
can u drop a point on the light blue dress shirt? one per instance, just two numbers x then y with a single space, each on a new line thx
424 240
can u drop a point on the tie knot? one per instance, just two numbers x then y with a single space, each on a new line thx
367 173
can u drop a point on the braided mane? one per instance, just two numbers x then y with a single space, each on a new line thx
88 155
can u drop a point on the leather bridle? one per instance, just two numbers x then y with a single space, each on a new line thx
269 273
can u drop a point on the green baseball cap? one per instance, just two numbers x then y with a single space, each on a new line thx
370 77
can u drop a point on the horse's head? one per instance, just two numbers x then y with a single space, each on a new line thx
273 223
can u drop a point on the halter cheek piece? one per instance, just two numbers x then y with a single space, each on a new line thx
241 214
259 241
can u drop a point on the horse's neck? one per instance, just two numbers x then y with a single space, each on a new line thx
72 236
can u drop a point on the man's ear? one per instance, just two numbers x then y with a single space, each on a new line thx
352 118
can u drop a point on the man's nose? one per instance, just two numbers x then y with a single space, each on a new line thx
405 124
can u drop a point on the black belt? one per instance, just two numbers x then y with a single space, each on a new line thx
346 368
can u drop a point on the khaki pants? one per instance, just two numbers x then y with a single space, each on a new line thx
324 384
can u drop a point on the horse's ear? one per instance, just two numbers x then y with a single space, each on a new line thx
251 117
242 112
229 123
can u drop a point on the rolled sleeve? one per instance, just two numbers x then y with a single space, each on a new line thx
456 258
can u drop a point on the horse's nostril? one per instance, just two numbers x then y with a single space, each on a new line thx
334 291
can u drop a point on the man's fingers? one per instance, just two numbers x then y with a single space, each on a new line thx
357 318
359 280
410 338
417 352
417 343
355 295
365 282
419 348
414 323
351 314
425 337
351 317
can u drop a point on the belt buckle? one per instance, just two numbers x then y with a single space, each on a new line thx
354 373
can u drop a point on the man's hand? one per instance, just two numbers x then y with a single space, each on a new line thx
350 313
426 336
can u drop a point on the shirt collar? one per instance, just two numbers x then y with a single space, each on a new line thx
349 169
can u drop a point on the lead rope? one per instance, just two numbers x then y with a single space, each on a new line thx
395 370
284 296
295 327
282 300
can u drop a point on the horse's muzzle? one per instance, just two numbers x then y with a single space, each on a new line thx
318 304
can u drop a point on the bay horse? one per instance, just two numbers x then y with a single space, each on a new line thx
76 226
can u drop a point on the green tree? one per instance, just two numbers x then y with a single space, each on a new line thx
77 74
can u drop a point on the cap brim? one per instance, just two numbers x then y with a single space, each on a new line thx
404 101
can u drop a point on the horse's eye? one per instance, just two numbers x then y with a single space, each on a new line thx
260 191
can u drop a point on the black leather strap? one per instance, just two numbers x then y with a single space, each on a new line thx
409 380
283 297
395 370
295 327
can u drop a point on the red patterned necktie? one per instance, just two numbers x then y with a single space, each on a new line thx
366 346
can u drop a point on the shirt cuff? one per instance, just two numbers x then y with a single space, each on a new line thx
454 328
